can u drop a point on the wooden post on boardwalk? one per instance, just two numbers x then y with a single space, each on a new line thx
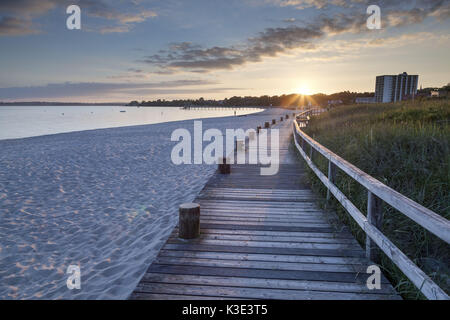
331 176
287 116
224 166
274 121
375 218
189 221
267 125
281 119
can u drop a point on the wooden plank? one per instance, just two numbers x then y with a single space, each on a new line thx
269 244
261 217
352 277
336 235
253 293
288 239
263 250
299 212
210 220
270 265
265 228
263 257
265 283
161 296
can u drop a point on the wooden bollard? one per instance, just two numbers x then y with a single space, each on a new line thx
287 116
258 128
224 166
274 121
189 221
281 119
267 125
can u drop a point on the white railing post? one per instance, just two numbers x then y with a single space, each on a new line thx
375 218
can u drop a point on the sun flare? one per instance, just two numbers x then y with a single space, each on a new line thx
304 90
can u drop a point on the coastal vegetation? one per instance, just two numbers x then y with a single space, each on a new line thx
285 100
405 146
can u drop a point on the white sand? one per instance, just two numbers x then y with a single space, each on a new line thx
105 200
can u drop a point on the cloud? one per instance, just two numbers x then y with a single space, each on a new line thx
272 42
16 16
124 21
27 7
303 4
11 26
25 11
84 89
269 43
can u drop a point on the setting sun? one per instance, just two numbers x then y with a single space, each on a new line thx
304 90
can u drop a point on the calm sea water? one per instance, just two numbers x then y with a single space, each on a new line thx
29 121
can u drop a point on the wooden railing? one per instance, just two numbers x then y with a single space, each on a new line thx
377 192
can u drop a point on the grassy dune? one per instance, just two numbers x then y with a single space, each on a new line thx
406 146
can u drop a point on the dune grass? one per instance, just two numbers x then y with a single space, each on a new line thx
405 146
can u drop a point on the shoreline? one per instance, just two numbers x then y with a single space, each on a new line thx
103 199
121 126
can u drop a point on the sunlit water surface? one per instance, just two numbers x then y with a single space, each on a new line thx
29 121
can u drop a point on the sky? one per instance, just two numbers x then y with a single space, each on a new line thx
177 49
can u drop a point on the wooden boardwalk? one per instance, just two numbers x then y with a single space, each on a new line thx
262 237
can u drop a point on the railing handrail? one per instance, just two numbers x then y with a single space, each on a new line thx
428 219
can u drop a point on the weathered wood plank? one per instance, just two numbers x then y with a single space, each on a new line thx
255 293
263 250
209 220
253 217
336 235
265 228
269 244
161 296
274 239
263 257
265 283
270 265
263 273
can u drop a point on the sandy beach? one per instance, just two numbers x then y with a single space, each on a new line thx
105 200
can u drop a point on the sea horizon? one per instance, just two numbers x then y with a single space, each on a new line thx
18 122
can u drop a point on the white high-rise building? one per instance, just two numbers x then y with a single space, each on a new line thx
395 88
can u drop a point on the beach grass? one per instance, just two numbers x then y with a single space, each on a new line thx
405 146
